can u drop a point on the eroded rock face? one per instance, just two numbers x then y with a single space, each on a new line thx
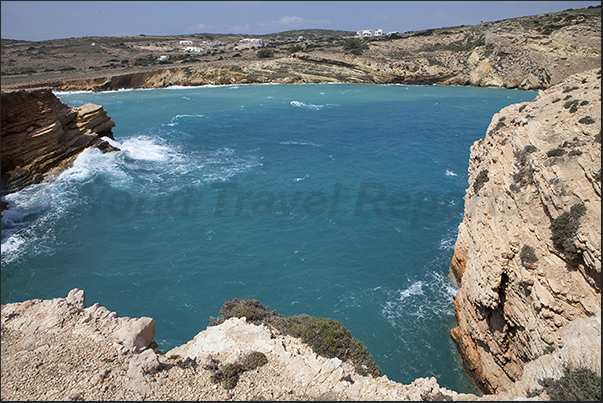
528 252
41 134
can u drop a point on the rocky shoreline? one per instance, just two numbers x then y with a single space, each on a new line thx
527 257
41 136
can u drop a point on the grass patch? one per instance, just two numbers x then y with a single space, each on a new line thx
327 337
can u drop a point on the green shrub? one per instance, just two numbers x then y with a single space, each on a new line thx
527 255
500 124
254 360
481 178
264 53
564 230
556 152
228 375
327 337
294 48
574 152
587 120
354 45
569 89
574 385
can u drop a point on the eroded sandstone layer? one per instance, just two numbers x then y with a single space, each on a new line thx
528 252
40 134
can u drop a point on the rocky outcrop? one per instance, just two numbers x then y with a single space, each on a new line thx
528 252
41 135
60 349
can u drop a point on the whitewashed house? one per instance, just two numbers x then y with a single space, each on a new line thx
193 49
187 43
163 58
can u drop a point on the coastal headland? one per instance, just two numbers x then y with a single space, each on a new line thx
527 257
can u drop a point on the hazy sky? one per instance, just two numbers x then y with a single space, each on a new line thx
41 20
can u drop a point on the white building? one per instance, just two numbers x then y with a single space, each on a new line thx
163 58
193 49
364 33
187 43
253 40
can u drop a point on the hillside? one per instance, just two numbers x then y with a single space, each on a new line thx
531 52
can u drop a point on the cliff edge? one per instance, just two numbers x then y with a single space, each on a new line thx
42 135
61 349
528 252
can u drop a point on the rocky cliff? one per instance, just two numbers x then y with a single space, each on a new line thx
41 135
62 349
528 252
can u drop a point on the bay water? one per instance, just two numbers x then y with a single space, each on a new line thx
335 200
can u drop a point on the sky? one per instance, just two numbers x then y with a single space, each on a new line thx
45 20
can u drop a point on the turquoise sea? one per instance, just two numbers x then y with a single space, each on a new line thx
335 200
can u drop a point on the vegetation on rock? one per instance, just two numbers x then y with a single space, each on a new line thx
481 178
228 375
574 385
327 337
564 230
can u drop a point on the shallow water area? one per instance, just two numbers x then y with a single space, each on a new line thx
335 200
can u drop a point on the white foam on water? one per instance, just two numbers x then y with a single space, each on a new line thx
447 243
450 173
299 104
299 143
432 296
149 149
28 224
302 179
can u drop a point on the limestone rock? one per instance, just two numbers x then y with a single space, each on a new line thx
61 349
520 281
